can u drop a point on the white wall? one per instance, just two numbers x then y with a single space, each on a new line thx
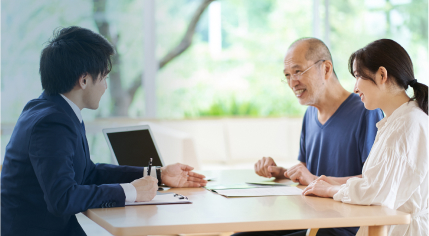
225 141
237 140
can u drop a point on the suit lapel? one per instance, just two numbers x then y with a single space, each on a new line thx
66 108
69 111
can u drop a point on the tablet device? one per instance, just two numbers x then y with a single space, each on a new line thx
133 145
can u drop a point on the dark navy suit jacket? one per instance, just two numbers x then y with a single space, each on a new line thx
47 174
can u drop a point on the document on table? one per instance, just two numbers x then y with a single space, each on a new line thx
233 186
267 183
163 198
257 192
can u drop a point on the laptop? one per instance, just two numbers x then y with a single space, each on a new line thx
133 145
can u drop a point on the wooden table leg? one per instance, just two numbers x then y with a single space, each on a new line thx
311 232
377 230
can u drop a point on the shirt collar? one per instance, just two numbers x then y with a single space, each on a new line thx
398 112
74 107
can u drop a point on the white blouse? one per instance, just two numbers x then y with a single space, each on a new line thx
395 174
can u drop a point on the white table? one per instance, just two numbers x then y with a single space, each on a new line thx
211 212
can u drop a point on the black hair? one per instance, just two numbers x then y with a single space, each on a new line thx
393 57
317 50
71 53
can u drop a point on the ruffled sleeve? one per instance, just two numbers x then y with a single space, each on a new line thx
390 179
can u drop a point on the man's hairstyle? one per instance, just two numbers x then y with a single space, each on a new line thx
71 53
317 50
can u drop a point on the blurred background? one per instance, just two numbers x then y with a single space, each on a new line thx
204 74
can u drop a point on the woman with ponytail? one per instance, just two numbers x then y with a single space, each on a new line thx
395 174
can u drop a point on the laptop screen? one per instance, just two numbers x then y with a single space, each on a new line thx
134 148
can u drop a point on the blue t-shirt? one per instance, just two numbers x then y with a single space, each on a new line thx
340 146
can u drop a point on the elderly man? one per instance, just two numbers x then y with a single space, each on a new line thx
337 131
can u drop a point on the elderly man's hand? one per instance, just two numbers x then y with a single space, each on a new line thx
266 167
321 188
180 176
300 173
146 188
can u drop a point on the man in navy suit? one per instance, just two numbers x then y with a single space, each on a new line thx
47 174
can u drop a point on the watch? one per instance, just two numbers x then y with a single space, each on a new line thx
158 175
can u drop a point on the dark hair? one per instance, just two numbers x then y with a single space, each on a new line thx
71 53
393 57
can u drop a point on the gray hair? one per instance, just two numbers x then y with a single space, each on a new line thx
317 50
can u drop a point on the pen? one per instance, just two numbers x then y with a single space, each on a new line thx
150 166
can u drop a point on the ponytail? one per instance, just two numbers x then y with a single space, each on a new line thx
392 56
420 95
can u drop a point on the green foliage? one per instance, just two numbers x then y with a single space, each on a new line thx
246 73
243 80
231 108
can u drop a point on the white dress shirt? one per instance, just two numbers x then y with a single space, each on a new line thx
129 189
395 174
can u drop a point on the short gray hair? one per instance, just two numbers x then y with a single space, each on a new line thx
317 50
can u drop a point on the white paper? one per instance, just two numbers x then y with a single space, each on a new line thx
257 192
165 198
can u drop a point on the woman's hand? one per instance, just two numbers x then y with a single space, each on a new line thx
329 180
320 187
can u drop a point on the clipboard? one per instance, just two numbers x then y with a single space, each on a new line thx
163 198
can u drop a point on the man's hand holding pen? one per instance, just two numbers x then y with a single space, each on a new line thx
146 188
175 175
